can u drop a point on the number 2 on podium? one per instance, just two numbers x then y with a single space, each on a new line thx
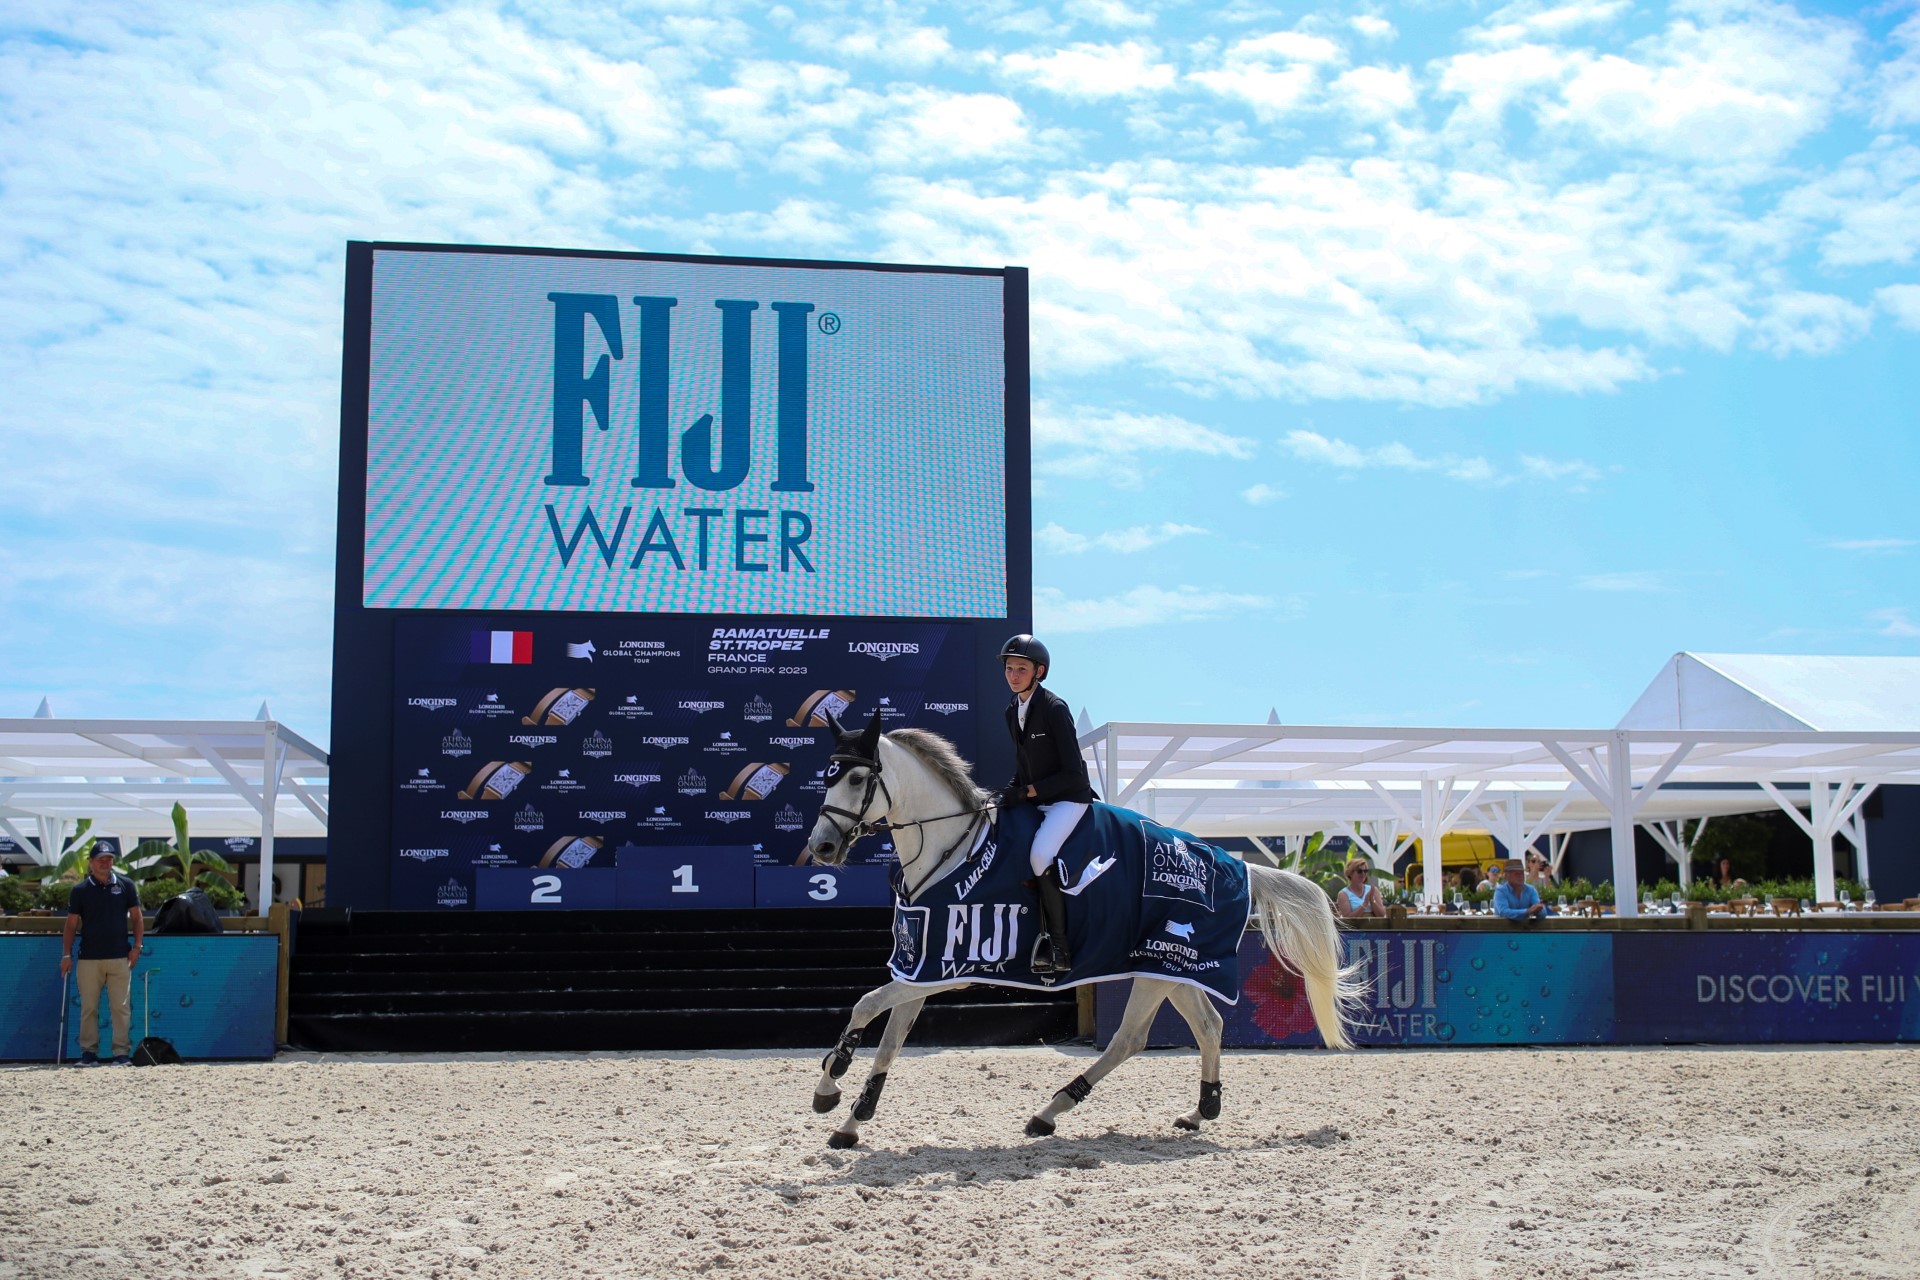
683 879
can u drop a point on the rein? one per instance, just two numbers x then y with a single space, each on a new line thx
858 825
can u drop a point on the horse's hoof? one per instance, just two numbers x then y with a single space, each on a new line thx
825 1102
1191 1126
1038 1128
841 1141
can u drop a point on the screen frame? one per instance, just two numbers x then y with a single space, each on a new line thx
360 811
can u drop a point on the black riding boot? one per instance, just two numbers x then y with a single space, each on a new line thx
1053 955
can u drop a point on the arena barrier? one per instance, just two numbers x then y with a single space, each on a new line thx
213 996
1560 986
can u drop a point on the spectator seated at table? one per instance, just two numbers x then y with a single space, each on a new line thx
1515 899
1360 897
1492 878
1539 874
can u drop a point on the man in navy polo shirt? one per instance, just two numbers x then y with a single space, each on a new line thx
100 908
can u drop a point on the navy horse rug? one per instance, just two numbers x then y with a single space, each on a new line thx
1143 901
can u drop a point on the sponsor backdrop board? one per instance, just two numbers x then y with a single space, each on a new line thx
1433 988
586 744
617 529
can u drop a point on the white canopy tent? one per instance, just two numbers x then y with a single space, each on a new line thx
235 777
1519 783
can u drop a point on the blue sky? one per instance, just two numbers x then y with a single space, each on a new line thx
1433 364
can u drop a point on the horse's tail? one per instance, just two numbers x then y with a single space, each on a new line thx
1297 922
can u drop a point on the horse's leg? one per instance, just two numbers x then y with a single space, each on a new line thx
1130 1039
826 1094
898 1026
1207 1025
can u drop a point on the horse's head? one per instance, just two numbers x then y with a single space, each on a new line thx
856 797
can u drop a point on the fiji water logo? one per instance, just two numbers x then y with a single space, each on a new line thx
715 450
981 934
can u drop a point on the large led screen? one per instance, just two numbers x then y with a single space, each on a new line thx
589 434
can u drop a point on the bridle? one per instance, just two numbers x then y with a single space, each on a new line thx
858 825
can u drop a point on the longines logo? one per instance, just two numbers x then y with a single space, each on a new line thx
728 815
463 816
692 783
885 651
423 781
425 855
529 819
699 707
665 742
598 745
456 744
637 779
603 816
791 742
433 704
533 739
948 708
757 710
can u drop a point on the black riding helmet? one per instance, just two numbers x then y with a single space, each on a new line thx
1025 646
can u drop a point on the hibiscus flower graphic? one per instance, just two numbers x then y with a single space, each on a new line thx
1279 998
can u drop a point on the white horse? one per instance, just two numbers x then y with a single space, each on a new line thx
919 786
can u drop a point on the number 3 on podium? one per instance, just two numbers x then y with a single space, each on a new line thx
826 887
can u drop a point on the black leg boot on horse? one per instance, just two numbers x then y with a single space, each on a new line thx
1052 955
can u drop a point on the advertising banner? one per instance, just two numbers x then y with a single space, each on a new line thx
1436 988
568 745
211 997
590 433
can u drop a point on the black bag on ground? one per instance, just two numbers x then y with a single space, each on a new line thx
155 1052
189 912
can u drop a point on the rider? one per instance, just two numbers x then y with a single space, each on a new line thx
1050 773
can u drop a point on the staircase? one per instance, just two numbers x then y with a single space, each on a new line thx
406 981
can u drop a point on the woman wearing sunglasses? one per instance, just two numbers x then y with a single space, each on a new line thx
1360 897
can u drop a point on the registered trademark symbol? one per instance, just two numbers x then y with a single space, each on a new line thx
829 322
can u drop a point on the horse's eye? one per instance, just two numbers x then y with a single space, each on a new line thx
855 776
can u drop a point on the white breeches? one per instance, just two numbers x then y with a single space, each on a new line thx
1058 822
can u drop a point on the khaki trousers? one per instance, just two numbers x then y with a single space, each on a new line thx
115 977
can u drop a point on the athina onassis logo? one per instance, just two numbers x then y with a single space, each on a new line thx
715 449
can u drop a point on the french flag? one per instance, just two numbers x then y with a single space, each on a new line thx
503 646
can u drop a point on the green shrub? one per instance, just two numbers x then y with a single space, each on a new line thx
19 894
155 892
226 899
54 894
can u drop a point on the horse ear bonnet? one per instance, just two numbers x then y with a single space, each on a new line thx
840 735
869 745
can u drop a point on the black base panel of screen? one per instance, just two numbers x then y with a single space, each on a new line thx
583 980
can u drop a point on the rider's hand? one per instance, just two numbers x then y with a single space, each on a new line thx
1010 795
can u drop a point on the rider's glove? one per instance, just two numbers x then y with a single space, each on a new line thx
1010 795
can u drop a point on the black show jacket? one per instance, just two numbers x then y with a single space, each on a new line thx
1048 750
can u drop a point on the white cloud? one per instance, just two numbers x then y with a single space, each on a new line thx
1621 582
1899 80
1871 546
1311 446
1061 541
1108 13
1375 91
1894 624
1522 23
1274 74
1094 70
1144 606
1795 323
1902 302
1262 494
893 42
1372 27
929 128
1107 445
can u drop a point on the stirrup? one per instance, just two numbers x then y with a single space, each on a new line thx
1049 957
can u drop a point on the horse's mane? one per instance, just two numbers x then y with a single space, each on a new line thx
939 755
